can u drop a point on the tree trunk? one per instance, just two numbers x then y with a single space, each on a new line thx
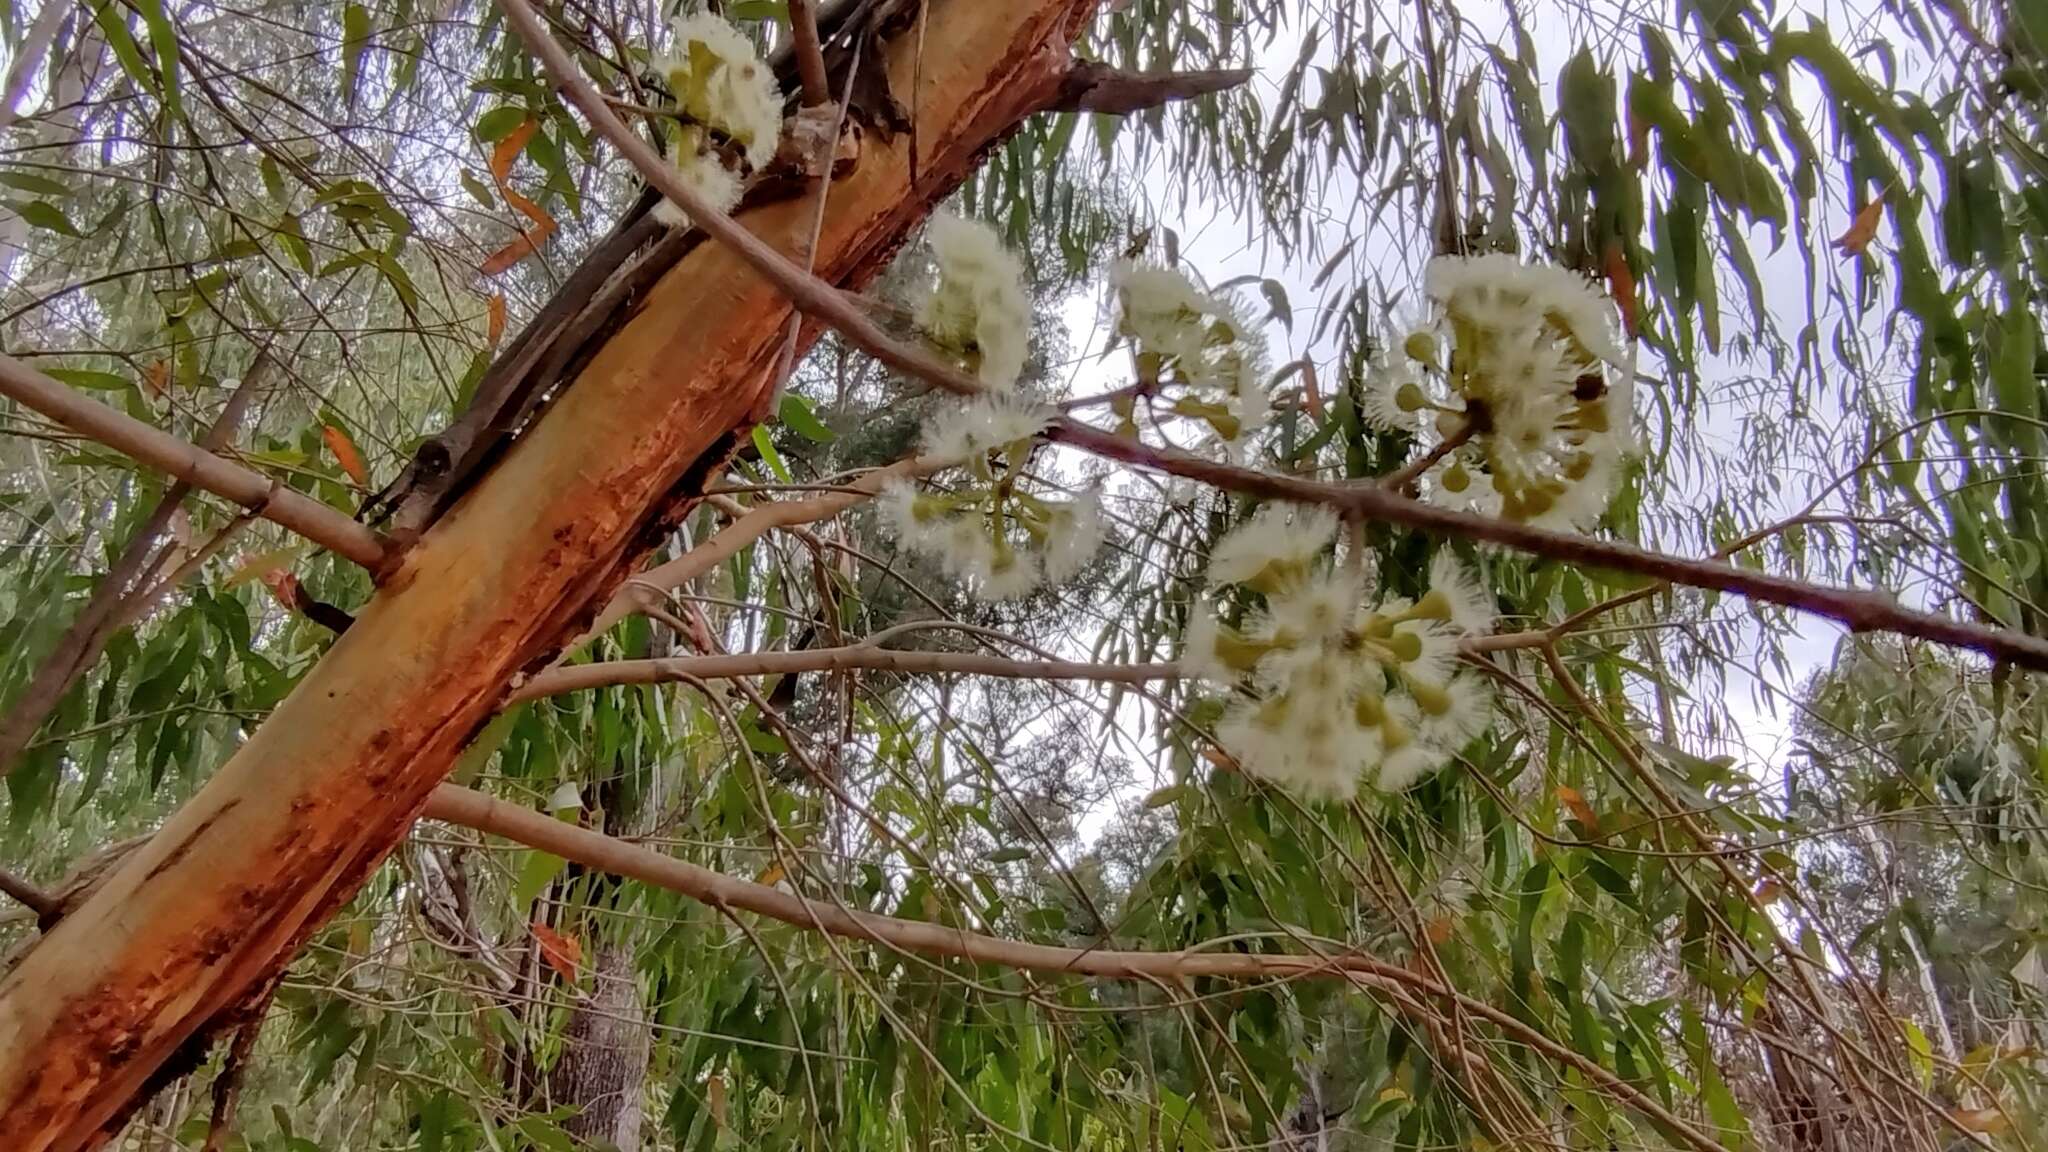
193 923
603 1069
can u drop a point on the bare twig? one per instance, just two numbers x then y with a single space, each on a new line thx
648 587
573 678
28 895
810 54
158 449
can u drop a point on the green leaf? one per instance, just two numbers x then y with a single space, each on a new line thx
1276 300
1919 1051
112 19
477 190
775 10
769 455
536 872
45 215
1161 797
164 38
32 183
1008 855
355 41
796 412
89 378
499 122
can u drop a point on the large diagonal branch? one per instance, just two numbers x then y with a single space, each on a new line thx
192 924
151 446
471 809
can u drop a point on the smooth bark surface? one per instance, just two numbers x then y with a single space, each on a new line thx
196 921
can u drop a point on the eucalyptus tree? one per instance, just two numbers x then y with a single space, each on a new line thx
543 611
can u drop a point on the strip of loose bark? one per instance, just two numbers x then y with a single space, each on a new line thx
194 923
1093 87
152 446
106 609
471 809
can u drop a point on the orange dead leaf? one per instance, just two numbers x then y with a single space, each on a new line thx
285 587
1581 811
1439 930
157 377
1768 891
261 565
519 249
562 952
700 632
494 311
1981 1119
1862 230
714 1097
345 454
1621 284
527 208
508 149
771 875
1221 759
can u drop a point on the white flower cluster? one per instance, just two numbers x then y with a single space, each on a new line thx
1514 360
730 108
1338 691
1191 338
1002 540
978 310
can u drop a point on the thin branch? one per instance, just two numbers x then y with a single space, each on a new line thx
810 54
872 657
471 809
203 470
1089 86
650 586
1403 479
28 895
28 56
1859 610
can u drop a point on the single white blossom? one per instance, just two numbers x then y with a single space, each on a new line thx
728 100
985 424
1301 745
1073 538
706 175
1499 292
1454 713
1277 537
978 306
1465 601
1395 398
